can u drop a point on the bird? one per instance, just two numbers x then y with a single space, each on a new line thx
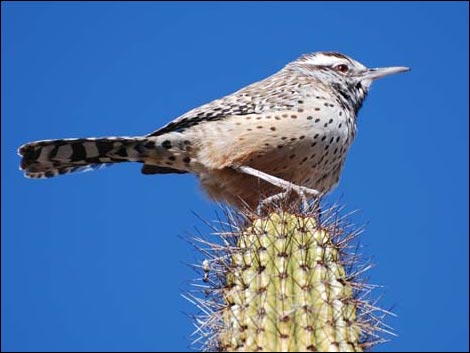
289 131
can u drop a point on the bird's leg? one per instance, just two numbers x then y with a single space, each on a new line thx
281 183
302 191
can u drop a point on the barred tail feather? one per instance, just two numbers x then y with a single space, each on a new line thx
49 158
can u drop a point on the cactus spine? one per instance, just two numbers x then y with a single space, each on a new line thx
285 283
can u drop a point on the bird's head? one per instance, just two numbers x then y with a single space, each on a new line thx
348 77
344 68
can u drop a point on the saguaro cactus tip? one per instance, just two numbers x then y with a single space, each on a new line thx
288 281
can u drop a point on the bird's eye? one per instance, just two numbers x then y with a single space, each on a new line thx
341 68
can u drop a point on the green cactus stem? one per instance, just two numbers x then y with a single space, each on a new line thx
285 284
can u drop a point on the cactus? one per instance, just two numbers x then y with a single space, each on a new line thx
285 282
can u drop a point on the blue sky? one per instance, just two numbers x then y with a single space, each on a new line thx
96 261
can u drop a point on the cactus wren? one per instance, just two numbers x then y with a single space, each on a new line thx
293 128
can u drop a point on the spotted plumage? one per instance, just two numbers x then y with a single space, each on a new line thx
296 125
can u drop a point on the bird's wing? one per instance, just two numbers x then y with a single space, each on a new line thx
263 96
215 110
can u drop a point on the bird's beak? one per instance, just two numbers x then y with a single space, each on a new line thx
373 74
